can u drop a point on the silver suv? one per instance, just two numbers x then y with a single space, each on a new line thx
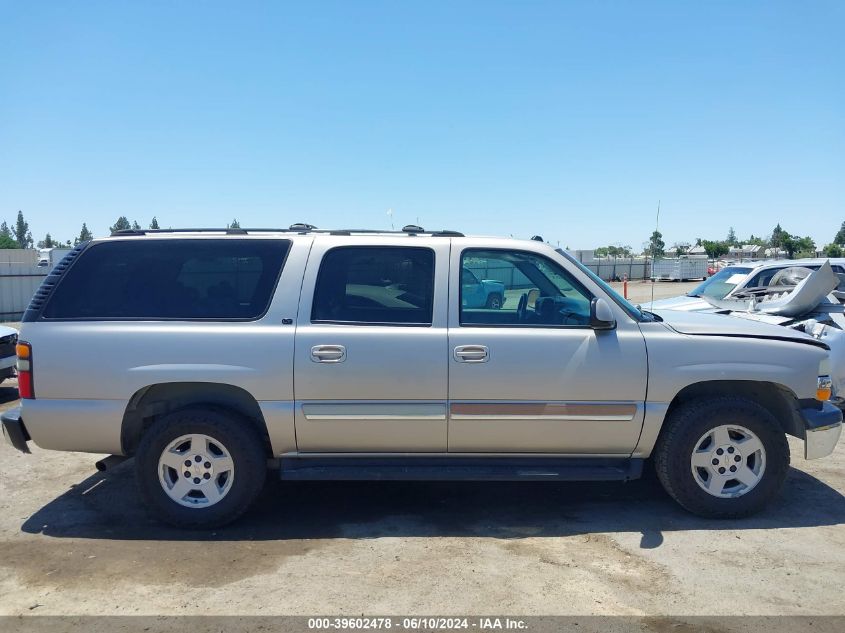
211 356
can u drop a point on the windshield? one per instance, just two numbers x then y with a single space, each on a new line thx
719 285
621 301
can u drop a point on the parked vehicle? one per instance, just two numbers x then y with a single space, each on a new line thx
484 293
211 354
734 279
8 359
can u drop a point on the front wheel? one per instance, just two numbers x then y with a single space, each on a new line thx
200 467
722 457
494 302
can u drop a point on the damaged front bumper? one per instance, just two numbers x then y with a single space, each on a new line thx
822 430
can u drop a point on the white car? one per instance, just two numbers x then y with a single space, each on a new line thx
737 278
8 340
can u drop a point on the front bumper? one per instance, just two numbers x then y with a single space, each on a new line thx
822 430
14 431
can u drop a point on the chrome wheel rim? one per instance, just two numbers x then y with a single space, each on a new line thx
196 470
728 461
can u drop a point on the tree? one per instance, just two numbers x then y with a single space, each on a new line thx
656 245
122 224
732 237
7 240
757 241
793 244
778 235
22 235
234 225
84 236
832 250
47 242
715 249
136 226
840 236
154 223
613 250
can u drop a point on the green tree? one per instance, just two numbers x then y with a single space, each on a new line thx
656 245
731 240
715 249
136 226
794 244
84 236
22 234
5 231
234 225
47 242
840 236
6 240
122 224
832 250
154 223
778 235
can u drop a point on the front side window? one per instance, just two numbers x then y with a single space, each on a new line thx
168 279
375 286
518 288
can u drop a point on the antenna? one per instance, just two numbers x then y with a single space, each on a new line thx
653 251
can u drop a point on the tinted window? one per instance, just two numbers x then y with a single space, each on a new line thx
170 279
520 288
375 285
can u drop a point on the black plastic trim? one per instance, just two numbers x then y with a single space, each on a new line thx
413 468
828 415
14 430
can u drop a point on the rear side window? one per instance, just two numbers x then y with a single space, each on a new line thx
375 285
149 279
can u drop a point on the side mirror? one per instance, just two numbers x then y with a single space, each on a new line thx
601 315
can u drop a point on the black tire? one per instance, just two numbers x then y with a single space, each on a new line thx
691 421
240 438
494 301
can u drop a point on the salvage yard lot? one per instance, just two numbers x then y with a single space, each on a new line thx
74 541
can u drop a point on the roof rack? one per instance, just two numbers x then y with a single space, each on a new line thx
300 228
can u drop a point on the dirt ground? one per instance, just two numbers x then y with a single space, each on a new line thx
74 541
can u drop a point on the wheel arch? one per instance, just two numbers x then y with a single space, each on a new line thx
778 399
153 401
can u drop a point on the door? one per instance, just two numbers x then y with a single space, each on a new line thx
532 376
370 361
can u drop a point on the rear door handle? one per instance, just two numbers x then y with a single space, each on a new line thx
328 353
472 354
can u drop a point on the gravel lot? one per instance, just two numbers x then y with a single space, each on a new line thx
74 541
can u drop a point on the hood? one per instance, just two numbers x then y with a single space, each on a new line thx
685 303
703 324
6 331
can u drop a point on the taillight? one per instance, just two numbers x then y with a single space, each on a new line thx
25 386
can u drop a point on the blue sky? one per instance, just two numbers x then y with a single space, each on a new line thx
565 119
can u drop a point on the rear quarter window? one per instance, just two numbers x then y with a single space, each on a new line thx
150 279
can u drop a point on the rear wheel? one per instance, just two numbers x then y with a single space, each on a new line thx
722 457
200 467
494 301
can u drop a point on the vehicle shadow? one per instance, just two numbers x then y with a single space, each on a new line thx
106 506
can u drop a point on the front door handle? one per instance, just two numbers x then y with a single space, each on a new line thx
472 354
328 353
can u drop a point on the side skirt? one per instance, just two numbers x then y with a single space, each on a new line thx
460 469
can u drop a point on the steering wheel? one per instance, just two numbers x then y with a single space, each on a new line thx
522 308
